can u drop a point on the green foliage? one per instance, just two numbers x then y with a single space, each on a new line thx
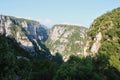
107 60
110 50
23 69
105 22
113 33
9 64
88 68
77 69
43 69
15 63
115 61
7 61
104 66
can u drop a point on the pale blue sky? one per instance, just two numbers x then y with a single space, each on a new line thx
49 12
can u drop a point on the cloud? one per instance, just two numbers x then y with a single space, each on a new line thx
45 21
39 20
48 21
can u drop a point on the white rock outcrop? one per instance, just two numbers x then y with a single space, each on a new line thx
57 32
96 45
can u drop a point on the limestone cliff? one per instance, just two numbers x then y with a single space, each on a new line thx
66 40
27 33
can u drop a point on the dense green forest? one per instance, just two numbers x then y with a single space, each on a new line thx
15 63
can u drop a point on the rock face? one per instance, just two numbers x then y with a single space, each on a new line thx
96 44
66 40
27 33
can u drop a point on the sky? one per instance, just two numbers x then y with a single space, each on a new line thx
50 12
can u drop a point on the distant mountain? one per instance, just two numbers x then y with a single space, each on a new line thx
28 33
66 40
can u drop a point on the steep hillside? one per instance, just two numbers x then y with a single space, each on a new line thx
27 33
11 57
66 40
17 64
105 29
104 38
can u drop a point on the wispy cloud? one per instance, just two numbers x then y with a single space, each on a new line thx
47 21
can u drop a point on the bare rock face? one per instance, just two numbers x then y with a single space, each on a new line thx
96 45
57 32
66 40
86 47
5 21
27 33
92 46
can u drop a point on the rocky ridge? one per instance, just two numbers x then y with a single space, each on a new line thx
27 33
67 40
